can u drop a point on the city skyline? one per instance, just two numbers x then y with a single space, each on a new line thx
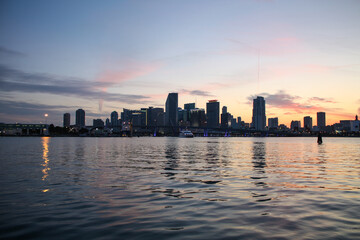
103 57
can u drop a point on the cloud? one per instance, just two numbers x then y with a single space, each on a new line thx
26 112
318 99
8 52
285 101
12 80
195 93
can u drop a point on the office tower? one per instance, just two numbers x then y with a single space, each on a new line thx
224 117
107 123
171 110
295 125
114 116
188 107
259 117
80 118
321 121
126 116
307 123
66 121
98 123
212 113
273 123
182 115
197 118
154 117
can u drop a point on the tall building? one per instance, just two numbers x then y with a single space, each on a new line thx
321 121
80 118
197 118
273 123
225 117
114 116
259 117
66 121
171 110
212 113
295 125
98 123
188 107
154 117
307 123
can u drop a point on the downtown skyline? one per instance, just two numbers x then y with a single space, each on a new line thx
103 57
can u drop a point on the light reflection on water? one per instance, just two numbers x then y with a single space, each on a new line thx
155 188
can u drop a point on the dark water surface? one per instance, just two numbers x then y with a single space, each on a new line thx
172 188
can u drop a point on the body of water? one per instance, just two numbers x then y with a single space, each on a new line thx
173 188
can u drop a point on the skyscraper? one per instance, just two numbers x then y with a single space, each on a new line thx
321 121
273 123
295 125
259 117
114 116
66 121
307 123
171 110
197 118
80 118
188 107
224 117
212 113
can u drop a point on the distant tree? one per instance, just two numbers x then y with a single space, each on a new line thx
83 130
51 129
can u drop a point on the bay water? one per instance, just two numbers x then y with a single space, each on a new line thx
176 188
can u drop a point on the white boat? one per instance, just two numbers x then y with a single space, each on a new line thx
186 134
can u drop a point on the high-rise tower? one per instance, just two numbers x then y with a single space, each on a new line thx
66 121
171 110
212 113
321 121
259 117
80 118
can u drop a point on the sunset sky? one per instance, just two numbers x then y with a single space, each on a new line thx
58 56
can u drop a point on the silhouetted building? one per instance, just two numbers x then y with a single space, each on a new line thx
188 107
80 118
171 110
308 123
225 118
259 117
126 116
182 116
295 125
212 113
197 118
155 117
321 121
98 123
114 116
107 123
273 123
66 121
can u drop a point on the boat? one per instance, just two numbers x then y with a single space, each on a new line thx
186 134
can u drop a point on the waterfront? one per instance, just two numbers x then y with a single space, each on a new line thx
172 188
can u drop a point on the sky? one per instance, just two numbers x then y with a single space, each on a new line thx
102 56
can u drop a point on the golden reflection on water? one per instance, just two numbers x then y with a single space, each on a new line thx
45 143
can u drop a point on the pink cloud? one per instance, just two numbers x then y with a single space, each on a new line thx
110 78
127 73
